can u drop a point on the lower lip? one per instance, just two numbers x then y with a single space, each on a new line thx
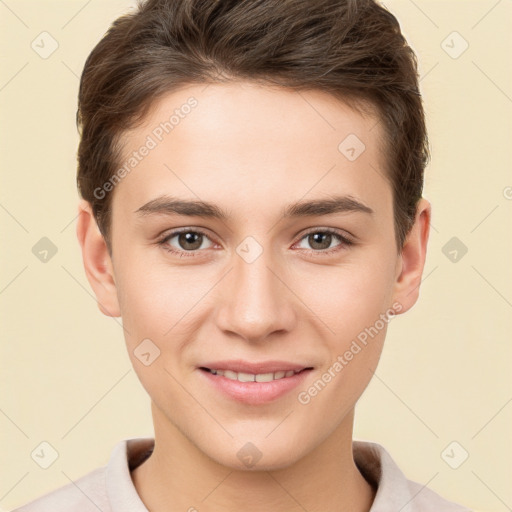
255 393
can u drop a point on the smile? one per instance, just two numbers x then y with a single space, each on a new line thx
251 377
259 387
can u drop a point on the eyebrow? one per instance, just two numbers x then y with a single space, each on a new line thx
167 205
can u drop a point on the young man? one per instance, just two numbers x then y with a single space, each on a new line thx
251 175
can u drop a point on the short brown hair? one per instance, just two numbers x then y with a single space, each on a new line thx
352 49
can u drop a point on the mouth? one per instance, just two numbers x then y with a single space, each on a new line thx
254 377
253 383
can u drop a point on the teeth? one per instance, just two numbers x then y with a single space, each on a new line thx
250 377
265 377
246 377
228 374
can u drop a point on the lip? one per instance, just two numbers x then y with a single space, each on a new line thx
239 365
254 393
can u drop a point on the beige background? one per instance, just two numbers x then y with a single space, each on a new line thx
445 373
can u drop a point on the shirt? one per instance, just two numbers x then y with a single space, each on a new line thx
110 488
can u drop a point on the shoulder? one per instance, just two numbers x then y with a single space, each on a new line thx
393 490
87 494
428 501
107 489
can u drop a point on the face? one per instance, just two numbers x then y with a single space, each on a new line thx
254 266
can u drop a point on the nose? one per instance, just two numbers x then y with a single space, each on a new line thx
255 301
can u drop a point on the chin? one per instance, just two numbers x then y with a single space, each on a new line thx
257 455
269 462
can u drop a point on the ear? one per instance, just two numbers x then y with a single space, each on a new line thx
412 260
97 261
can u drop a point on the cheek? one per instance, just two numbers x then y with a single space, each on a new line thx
151 304
348 298
351 304
146 301
161 302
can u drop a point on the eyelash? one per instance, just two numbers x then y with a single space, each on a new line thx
345 242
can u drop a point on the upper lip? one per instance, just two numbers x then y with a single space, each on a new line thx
254 368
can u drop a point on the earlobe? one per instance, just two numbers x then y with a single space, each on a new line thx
412 260
97 261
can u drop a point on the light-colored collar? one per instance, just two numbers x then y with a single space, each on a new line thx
394 492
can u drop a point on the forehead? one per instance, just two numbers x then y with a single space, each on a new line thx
209 141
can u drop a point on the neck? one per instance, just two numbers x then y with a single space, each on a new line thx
180 477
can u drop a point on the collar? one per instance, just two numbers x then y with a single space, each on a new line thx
394 491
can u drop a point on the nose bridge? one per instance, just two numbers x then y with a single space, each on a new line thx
255 302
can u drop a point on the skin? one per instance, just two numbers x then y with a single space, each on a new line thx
252 150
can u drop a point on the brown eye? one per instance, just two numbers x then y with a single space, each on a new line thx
190 240
320 240
185 242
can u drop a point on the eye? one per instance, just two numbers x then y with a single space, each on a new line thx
320 241
185 242
188 242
